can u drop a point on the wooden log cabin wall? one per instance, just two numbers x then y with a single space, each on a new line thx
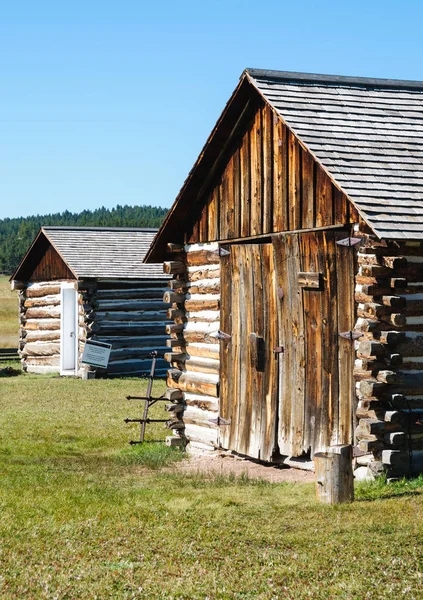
94 276
295 251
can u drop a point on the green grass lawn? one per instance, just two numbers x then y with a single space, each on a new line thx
9 318
83 515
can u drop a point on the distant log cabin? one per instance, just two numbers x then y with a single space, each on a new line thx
79 283
296 252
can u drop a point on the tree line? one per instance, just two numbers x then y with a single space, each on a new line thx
17 234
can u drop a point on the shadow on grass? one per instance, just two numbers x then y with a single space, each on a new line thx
380 489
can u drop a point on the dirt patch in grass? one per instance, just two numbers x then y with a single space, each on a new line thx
227 465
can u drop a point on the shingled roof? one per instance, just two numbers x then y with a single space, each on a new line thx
100 252
367 134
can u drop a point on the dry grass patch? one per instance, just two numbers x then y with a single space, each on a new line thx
9 318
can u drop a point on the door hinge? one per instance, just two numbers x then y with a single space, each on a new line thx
221 335
221 252
349 241
351 335
219 421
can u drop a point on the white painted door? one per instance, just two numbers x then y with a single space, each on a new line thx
69 330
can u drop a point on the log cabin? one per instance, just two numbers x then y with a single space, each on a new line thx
79 283
295 246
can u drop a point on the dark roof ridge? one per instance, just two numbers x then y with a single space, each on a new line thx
316 78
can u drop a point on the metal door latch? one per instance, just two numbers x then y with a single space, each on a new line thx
278 350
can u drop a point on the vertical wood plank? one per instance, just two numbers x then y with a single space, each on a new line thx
236 332
236 194
330 379
267 191
245 165
225 399
228 186
340 207
324 204
256 175
223 208
294 182
213 229
313 346
194 236
256 325
307 184
203 223
291 336
345 261
270 376
280 190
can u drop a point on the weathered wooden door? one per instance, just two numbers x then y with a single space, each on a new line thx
316 386
249 377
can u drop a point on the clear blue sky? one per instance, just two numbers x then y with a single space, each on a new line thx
105 103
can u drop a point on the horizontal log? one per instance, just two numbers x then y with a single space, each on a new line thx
42 324
141 315
174 267
43 312
205 316
394 262
177 284
376 271
175 423
43 361
376 284
174 395
175 408
175 357
38 290
403 438
371 348
42 370
42 336
198 416
204 350
51 300
200 401
391 337
176 314
141 366
131 305
202 365
175 343
368 446
41 349
206 273
200 336
403 460
200 305
173 328
387 377
132 294
203 435
187 382
170 297
117 354
202 257
134 329
136 341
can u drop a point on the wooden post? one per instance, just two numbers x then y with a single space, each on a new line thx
334 475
